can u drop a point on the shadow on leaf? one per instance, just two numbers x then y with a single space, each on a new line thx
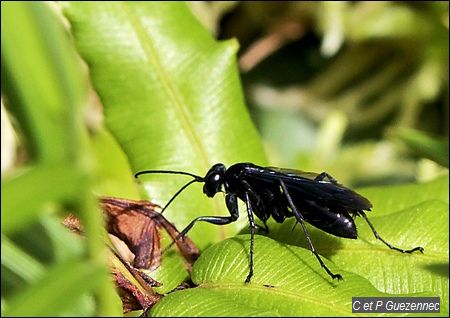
440 269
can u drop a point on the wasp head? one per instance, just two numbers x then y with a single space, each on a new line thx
214 180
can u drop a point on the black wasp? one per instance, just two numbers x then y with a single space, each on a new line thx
281 193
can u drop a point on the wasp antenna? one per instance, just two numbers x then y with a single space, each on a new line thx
197 178
176 194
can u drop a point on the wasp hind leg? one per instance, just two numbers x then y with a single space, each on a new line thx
418 248
323 176
300 220
262 228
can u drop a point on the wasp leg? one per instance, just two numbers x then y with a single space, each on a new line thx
252 235
420 249
300 220
231 202
264 228
295 224
248 193
176 194
324 175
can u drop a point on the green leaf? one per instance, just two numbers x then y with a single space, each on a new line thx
172 98
19 262
287 281
391 198
426 225
171 273
58 290
27 256
423 144
173 270
44 88
386 20
41 79
113 170
25 195
369 268
65 244
406 216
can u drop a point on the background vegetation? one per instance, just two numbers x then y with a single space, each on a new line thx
93 92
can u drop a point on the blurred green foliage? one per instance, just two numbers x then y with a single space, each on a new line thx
172 112
45 270
357 89
366 68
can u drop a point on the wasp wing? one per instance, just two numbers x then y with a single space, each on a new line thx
294 172
306 185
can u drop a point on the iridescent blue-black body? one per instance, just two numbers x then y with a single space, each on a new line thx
282 193
321 201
